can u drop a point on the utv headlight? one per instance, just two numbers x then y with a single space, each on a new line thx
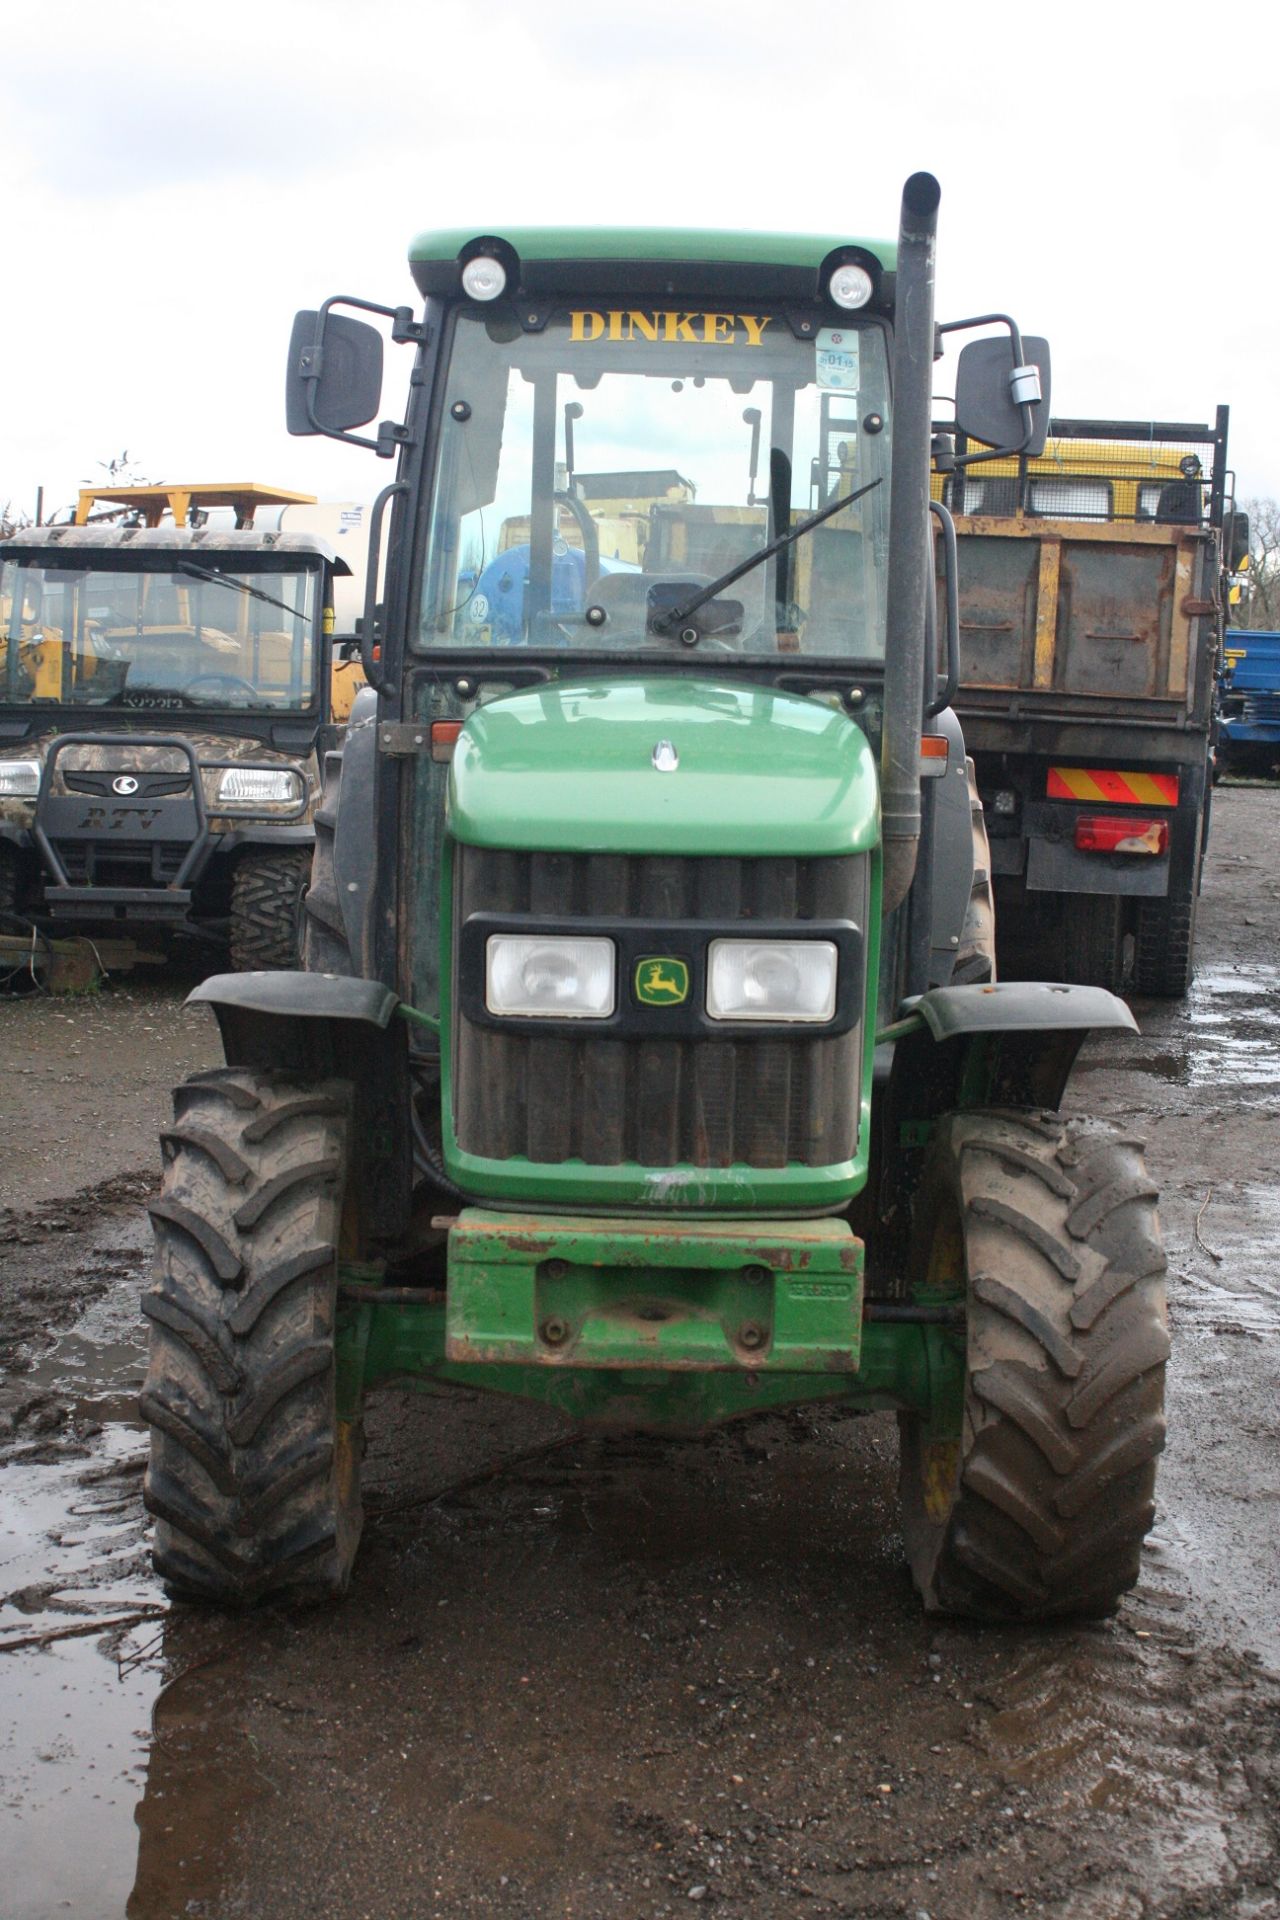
19 779
551 975
771 980
258 786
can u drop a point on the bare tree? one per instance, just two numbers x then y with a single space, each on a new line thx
1260 605
12 519
122 470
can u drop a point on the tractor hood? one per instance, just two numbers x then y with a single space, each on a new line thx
663 765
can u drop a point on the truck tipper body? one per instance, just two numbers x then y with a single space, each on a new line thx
1091 612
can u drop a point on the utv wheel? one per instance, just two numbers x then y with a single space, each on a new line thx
266 908
1093 940
8 886
1035 1502
1164 949
254 1475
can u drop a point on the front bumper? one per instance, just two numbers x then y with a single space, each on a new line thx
679 1296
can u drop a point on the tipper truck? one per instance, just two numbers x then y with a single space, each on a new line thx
1092 598
628 1071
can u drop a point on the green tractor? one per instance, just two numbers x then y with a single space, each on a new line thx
648 1061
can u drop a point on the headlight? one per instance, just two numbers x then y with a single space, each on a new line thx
851 286
483 277
258 786
771 980
538 973
19 779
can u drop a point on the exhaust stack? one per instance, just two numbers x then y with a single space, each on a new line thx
910 541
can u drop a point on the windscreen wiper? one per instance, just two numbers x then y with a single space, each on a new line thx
675 616
229 580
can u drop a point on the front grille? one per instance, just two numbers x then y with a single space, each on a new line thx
762 1102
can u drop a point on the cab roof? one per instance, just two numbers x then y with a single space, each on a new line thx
86 543
698 260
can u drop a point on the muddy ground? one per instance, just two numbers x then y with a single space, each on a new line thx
581 1677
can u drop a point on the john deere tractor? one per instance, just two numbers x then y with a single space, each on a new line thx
648 1061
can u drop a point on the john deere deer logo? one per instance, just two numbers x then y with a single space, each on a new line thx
662 983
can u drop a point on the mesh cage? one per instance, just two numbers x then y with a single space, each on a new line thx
1159 472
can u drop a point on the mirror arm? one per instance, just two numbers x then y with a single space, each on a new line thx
404 329
951 579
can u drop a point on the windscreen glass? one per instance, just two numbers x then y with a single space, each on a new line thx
181 634
598 479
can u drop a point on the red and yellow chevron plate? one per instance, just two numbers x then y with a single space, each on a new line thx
1116 789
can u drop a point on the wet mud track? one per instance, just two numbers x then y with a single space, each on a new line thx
588 1676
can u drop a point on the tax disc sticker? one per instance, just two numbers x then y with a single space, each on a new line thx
837 351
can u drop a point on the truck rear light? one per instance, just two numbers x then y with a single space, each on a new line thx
1105 833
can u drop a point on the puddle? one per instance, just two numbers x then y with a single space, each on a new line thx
75 1737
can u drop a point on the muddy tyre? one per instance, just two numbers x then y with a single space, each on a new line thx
1093 940
8 887
976 955
266 908
1164 948
1038 1505
253 1478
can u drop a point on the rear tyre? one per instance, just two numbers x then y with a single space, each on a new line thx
1034 1503
266 908
1093 940
1164 962
254 1476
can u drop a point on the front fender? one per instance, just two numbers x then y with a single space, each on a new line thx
1008 1044
1009 1006
323 1026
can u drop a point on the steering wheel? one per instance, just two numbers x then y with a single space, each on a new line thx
232 680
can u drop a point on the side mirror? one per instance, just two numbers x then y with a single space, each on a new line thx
334 382
987 408
1237 541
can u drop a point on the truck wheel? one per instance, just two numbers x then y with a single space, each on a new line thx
324 936
1033 1500
254 1475
976 954
1164 949
266 908
1093 940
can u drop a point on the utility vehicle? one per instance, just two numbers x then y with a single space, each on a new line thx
167 686
630 1071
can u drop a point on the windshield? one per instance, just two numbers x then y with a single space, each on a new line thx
205 632
595 478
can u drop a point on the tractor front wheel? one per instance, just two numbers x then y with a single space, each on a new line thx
254 1472
1034 1500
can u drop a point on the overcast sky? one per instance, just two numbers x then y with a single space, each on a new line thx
178 180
